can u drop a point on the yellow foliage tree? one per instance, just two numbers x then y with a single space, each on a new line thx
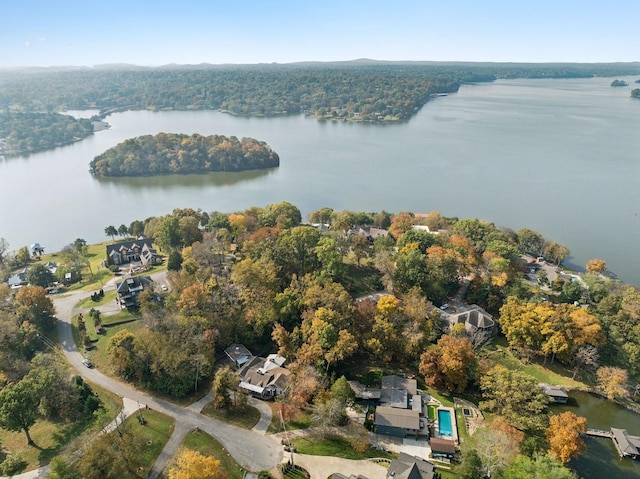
193 465
596 265
563 435
612 381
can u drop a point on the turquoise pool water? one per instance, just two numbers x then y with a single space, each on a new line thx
445 428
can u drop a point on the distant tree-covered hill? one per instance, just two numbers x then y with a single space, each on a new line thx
26 132
170 153
361 90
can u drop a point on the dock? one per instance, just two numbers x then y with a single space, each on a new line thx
626 444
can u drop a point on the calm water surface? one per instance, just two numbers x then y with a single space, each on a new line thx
601 460
558 156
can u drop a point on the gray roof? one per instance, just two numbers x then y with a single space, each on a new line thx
394 417
554 391
396 390
628 444
238 353
364 392
410 467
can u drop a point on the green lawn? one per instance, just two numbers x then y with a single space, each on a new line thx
245 417
98 355
431 412
334 446
156 432
89 303
301 421
556 373
95 276
51 437
208 446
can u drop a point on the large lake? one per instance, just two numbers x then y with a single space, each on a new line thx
558 156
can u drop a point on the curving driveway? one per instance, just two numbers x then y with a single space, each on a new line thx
252 450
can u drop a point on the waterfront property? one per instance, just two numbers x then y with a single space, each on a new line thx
626 444
140 249
556 394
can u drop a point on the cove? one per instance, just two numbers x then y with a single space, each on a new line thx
601 458
561 157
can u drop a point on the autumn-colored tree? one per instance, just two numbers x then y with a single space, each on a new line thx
563 435
257 285
515 396
448 365
612 381
495 448
596 265
193 465
35 307
400 224
224 381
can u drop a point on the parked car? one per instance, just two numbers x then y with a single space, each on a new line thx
444 307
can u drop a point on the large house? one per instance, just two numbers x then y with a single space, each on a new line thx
400 411
475 319
264 378
140 249
129 289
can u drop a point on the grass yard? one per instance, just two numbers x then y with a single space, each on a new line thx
52 437
156 432
89 303
98 355
556 373
336 447
245 417
208 446
301 421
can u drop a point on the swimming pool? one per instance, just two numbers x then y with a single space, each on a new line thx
445 428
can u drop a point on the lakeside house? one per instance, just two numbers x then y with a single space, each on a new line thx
140 249
556 394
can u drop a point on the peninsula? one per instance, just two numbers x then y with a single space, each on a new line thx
171 153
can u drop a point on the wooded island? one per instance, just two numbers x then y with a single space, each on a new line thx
171 153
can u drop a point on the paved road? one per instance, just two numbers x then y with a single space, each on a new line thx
251 450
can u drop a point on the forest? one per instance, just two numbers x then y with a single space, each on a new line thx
170 153
264 278
27 132
367 91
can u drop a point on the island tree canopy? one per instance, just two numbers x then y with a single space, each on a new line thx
167 153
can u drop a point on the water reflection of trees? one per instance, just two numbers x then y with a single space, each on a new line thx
218 179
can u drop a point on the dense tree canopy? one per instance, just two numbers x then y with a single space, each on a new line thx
25 132
167 153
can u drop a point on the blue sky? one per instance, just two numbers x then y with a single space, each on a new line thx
70 32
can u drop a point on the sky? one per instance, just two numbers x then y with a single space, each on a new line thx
159 32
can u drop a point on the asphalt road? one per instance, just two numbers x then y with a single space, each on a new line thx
253 451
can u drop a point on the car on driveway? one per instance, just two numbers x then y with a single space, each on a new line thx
87 363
